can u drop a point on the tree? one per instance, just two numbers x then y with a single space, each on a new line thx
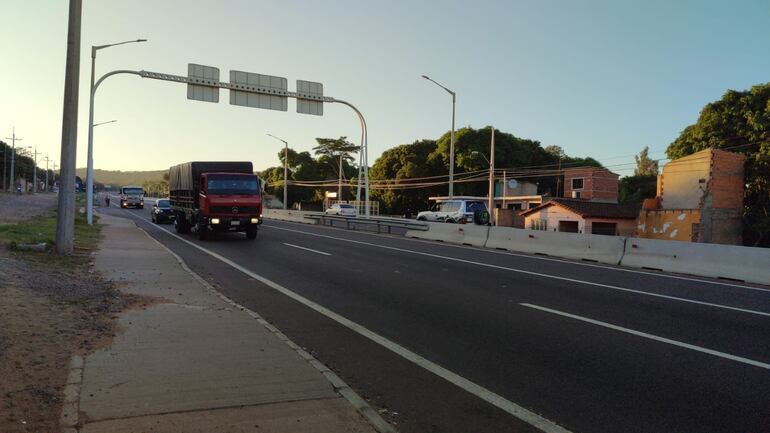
634 189
336 153
739 122
645 166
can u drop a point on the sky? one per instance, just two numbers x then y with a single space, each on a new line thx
600 78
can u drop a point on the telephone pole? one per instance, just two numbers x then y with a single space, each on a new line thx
34 171
14 139
65 219
47 159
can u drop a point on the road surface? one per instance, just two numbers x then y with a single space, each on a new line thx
457 339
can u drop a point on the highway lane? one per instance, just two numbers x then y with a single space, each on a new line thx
438 301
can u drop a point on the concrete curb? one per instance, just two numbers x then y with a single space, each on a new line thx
342 388
70 413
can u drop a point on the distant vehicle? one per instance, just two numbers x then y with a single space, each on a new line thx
456 211
215 196
161 211
132 196
341 209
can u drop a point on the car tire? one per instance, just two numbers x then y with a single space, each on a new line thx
449 221
251 233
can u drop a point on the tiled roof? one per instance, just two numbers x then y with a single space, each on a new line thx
592 209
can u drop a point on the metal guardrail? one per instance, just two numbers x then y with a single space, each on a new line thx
382 223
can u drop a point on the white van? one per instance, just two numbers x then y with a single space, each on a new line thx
457 210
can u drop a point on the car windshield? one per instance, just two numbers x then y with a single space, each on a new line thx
346 206
133 191
233 185
164 203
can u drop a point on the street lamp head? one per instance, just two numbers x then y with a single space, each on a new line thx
425 76
141 40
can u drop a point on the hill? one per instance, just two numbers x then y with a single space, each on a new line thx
118 178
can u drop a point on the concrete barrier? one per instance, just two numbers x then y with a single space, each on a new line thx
289 215
707 260
596 248
462 234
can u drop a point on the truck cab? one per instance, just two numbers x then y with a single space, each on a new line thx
132 196
218 196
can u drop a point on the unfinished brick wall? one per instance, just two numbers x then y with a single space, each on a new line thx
726 184
598 184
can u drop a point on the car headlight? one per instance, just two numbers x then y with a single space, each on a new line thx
255 220
214 220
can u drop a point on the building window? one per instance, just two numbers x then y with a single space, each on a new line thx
577 183
538 225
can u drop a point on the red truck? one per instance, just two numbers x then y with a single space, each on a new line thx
218 196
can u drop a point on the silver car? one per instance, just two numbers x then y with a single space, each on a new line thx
341 209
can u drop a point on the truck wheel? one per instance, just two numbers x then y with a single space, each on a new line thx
181 225
203 232
251 233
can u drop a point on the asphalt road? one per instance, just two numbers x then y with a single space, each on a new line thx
458 339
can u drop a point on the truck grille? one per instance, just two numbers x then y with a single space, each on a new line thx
233 209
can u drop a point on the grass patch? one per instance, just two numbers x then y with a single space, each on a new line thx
42 229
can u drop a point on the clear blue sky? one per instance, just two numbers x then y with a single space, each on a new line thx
599 78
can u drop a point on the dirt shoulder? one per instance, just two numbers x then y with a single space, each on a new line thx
52 308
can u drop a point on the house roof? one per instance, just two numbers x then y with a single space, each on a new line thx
591 209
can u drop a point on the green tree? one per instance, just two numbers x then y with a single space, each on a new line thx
739 122
335 154
634 189
645 166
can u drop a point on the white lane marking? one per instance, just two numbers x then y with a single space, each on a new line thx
653 337
479 391
306 249
539 274
552 259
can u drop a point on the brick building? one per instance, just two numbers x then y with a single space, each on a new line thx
590 205
699 199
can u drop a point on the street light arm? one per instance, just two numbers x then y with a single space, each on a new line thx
96 48
279 139
439 84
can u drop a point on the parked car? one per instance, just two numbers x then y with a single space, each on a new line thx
162 212
341 209
455 211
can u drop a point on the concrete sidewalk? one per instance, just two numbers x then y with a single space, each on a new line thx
196 362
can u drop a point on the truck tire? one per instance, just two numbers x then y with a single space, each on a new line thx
251 233
203 232
181 225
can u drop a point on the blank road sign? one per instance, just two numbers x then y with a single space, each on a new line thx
260 91
314 91
206 74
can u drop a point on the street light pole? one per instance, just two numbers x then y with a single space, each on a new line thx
451 137
90 162
285 171
13 139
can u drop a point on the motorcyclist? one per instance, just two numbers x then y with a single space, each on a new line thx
107 199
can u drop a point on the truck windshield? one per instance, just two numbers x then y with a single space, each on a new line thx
233 185
132 191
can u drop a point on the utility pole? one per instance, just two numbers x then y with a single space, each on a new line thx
492 173
65 219
5 151
13 139
53 171
47 159
34 172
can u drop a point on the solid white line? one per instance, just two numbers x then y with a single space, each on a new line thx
306 249
559 260
479 391
539 274
653 337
